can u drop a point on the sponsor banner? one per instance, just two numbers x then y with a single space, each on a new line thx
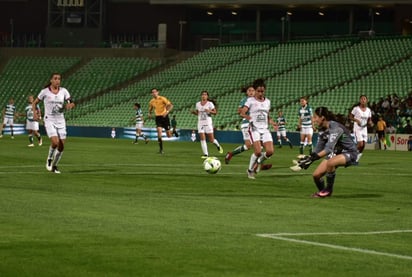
398 142
151 133
18 129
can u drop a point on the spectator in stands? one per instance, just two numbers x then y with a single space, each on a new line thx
161 107
410 143
204 111
56 99
361 117
305 124
408 127
390 129
8 113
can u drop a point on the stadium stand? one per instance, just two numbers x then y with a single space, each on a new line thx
331 72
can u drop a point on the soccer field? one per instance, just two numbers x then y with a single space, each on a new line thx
120 209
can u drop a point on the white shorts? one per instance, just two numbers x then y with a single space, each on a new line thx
139 125
262 135
361 134
208 129
32 125
246 134
8 121
55 128
281 133
306 131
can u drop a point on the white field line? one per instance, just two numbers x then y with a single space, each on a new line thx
284 237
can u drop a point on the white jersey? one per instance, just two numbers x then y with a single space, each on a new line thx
362 116
259 112
204 118
54 103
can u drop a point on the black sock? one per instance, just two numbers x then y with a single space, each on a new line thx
159 140
330 180
320 184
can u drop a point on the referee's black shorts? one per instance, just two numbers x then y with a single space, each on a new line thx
163 122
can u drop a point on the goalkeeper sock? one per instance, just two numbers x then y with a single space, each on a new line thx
330 180
310 148
301 148
320 183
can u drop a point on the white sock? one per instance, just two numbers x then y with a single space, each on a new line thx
203 144
51 153
215 142
252 161
57 157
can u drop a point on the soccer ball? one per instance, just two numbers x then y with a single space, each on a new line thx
212 165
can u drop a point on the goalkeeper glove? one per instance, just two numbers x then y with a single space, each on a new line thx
304 161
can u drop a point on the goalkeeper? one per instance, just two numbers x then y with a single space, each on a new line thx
335 144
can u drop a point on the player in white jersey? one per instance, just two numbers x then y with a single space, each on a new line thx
9 113
257 111
361 116
204 111
56 100
32 126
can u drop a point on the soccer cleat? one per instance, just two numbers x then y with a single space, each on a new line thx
49 164
228 157
220 149
250 174
1 136
161 152
40 142
55 170
325 193
146 140
204 156
31 145
316 195
12 137
266 166
290 145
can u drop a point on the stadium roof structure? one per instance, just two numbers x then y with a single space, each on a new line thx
269 2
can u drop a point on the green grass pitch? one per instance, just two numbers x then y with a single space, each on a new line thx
120 209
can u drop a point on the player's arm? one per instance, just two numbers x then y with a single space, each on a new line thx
38 112
168 108
69 104
36 116
353 119
243 113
